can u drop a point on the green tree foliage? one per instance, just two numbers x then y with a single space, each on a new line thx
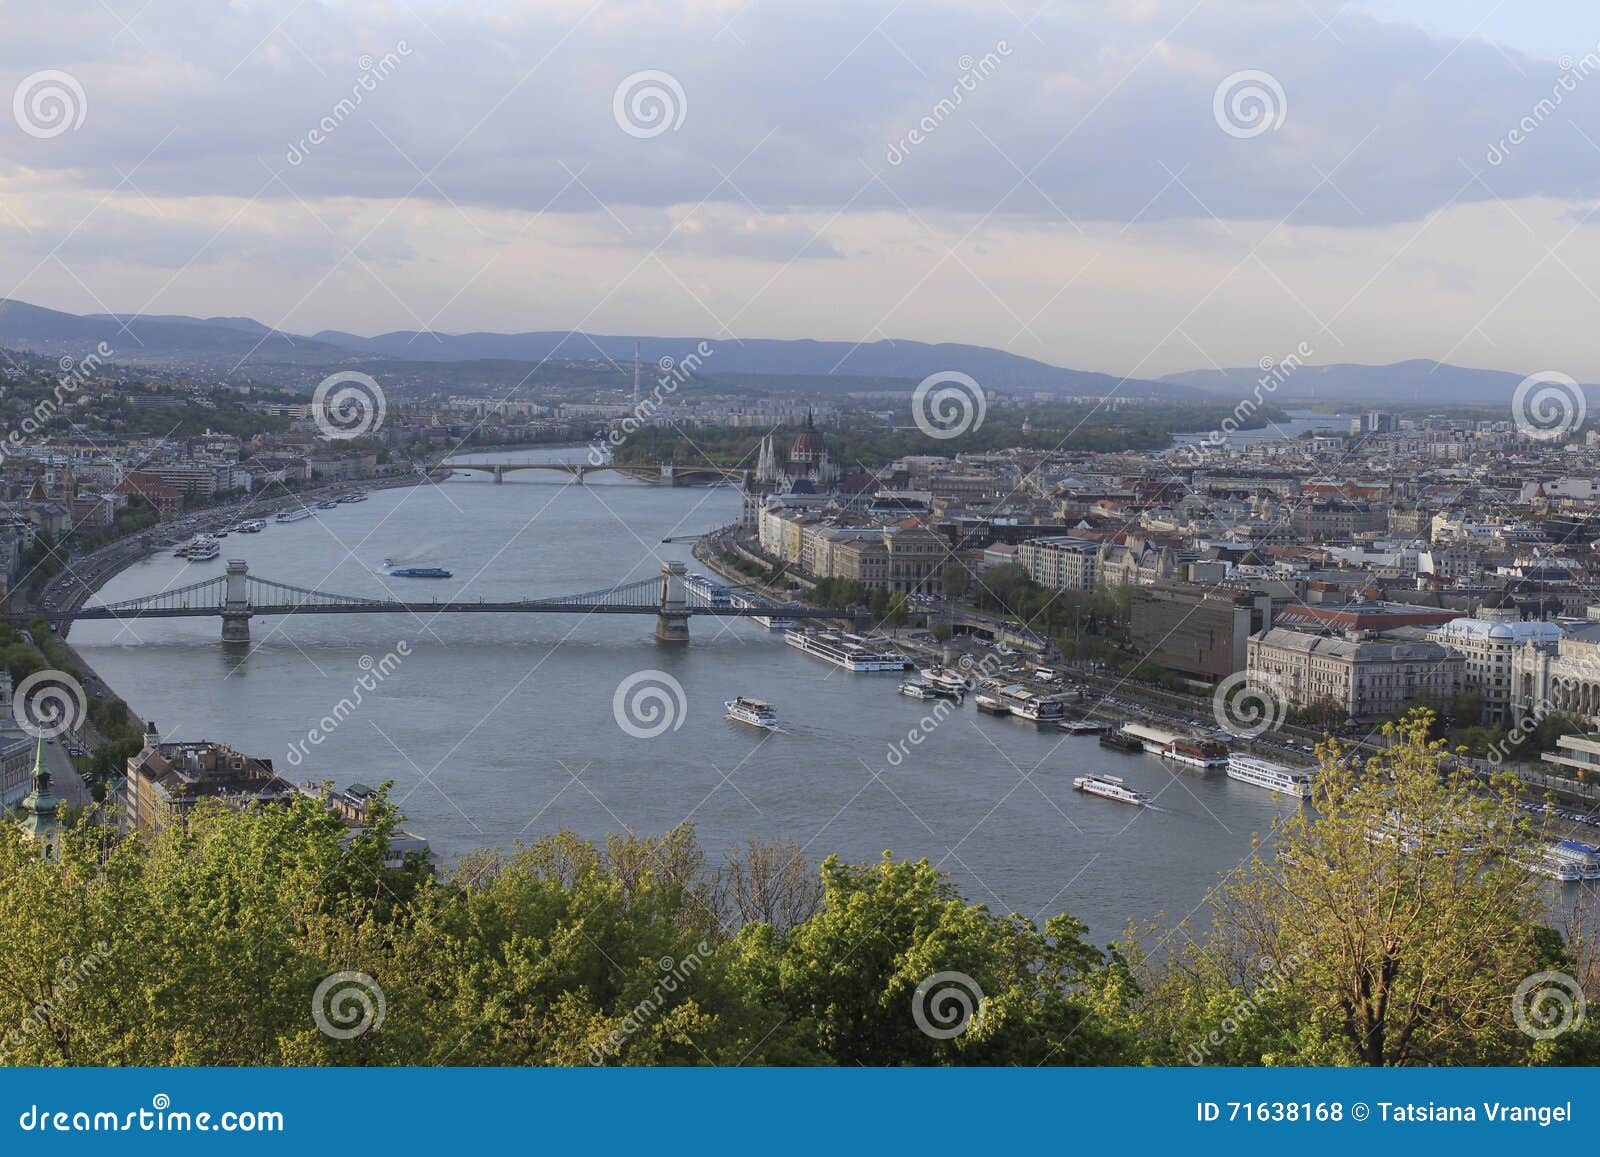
1392 926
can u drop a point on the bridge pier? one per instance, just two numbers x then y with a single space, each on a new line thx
499 475
236 604
672 620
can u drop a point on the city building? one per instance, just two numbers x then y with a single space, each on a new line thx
1489 648
1363 676
164 781
1199 631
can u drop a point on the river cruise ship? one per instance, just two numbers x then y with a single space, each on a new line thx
1110 787
911 689
1030 705
852 652
292 515
1272 776
755 712
944 679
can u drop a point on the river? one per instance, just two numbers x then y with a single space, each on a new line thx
500 728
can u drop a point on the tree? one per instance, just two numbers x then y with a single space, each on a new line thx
1396 921
769 882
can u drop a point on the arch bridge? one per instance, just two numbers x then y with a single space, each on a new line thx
239 596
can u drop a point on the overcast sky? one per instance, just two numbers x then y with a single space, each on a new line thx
1086 189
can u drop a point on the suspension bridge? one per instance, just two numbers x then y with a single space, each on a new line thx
664 473
238 596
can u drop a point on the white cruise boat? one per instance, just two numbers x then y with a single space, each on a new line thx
1584 857
252 526
292 515
1030 705
911 689
944 679
842 649
203 550
1553 866
755 712
1109 787
1272 776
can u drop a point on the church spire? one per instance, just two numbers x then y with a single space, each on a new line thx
39 809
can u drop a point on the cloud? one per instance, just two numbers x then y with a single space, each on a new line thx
1089 113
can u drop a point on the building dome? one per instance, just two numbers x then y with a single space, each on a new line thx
808 444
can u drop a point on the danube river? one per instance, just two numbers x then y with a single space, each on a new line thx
499 728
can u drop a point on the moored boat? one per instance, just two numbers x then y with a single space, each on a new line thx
1272 776
842 649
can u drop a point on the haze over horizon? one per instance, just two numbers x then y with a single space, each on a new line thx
1089 193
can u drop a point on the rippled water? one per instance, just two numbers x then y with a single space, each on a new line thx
495 728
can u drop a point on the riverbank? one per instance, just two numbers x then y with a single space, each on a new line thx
85 575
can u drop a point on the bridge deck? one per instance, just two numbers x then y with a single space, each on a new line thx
446 607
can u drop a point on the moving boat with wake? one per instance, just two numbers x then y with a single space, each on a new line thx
755 712
1110 787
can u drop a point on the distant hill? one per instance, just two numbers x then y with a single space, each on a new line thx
912 360
1419 381
166 338
149 339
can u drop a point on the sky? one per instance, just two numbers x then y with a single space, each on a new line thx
1138 187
